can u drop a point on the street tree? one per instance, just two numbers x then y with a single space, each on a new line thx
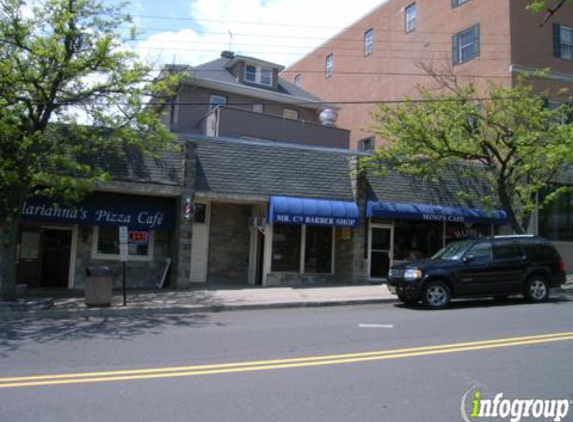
550 7
69 87
507 137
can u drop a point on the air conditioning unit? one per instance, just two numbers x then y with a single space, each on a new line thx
257 222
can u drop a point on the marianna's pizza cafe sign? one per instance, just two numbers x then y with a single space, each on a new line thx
100 209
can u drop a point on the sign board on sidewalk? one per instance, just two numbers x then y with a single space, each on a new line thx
123 252
123 235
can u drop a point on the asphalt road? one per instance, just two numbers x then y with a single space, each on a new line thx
309 364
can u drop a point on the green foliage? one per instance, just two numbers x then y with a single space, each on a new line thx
508 137
64 63
543 5
69 88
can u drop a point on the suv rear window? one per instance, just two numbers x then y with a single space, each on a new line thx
509 250
540 252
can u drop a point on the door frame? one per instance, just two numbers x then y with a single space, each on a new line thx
389 226
207 226
73 250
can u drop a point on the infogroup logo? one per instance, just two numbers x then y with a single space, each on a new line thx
474 407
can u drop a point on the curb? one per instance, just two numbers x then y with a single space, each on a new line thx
180 310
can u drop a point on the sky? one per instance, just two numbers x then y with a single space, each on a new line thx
279 31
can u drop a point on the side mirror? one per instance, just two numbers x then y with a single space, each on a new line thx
468 258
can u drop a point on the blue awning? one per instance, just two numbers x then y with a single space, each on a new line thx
312 212
408 211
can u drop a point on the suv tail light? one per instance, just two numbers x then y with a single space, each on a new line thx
561 265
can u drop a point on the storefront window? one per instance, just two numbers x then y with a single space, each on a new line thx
286 248
462 231
106 241
318 250
417 239
555 219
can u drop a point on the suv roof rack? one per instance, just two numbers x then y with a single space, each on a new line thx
510 236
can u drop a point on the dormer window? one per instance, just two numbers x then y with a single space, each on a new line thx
258 75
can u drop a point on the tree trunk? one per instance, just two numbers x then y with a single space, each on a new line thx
9 240
507 206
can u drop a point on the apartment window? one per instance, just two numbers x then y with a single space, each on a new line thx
216 101
466 45
566 115
563 42
456 3
411 15
366 144
329 65
290 114
368 42
106 244
298 80
258 75
314 243
259 108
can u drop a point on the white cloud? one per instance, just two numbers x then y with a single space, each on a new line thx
280 31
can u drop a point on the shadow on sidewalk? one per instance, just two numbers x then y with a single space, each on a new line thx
16 333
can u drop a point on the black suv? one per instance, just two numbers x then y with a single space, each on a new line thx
496 266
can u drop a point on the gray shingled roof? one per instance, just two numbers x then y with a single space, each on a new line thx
216 71
131 165
263 169
444 189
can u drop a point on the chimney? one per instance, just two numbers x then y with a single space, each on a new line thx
227 54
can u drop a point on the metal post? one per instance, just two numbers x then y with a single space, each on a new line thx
124 285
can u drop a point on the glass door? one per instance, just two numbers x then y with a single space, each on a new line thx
380 247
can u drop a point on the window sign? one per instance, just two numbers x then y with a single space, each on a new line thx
138 237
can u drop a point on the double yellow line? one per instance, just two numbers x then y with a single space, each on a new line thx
266 365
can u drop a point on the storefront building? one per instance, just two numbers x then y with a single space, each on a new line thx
274 214
410 218
246 212
58 242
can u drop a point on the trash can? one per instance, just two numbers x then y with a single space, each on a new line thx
99 286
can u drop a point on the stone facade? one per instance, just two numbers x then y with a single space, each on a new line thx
229 243
139 274
184 229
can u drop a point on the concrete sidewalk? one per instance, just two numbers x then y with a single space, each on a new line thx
204 300
212 299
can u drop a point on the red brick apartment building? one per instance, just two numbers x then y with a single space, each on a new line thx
382 56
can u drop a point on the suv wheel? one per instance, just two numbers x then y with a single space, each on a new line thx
537 289
436 295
